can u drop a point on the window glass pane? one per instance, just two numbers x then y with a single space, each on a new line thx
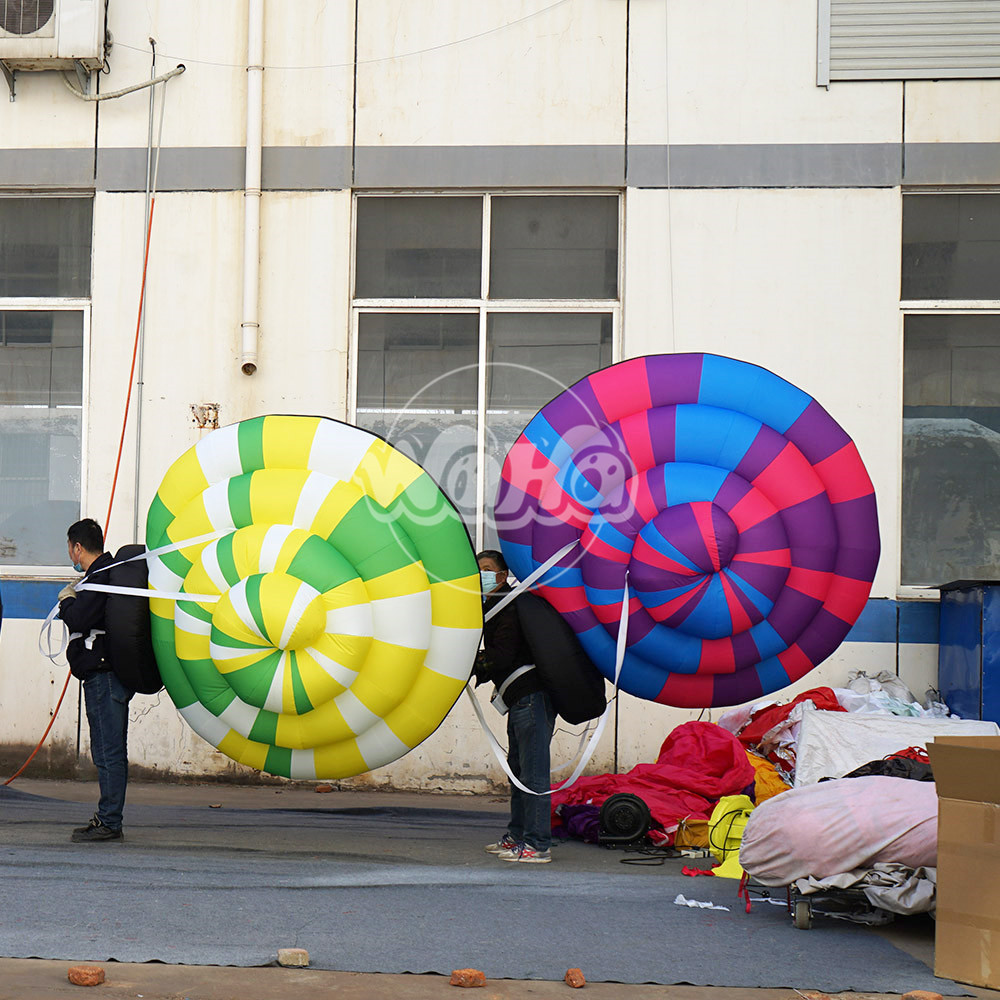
951 449
554 247
531 359
45 247
41 370
419 248
417 386
951 246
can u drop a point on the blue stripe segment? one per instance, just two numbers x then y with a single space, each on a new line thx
544 437
687 482
713 436
710 617
736 385
32 599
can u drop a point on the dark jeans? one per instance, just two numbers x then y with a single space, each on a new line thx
107 701
530 722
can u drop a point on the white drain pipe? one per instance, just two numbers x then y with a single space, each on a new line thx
250 326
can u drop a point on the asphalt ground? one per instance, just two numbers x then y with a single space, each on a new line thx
34 979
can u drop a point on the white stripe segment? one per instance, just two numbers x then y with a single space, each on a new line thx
342 675
206 725
238 597
273 701
270 549
379 745
356 619
303 764
240 716
404 620
314 492
219 454
303 596
337 449
216 501
356 715
452 651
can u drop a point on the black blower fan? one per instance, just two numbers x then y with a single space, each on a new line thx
623 821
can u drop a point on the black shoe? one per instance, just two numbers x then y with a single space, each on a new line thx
95 830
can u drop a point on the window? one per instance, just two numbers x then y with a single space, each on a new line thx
470 314
951 388
907 40
44 290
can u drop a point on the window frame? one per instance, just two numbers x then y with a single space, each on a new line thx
69 305
927 307
482 306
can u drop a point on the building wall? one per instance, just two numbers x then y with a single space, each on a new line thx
762 220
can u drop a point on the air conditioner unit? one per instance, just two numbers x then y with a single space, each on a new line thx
52 34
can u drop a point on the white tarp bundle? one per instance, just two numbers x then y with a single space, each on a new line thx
832 744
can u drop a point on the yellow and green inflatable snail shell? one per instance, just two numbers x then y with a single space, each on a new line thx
348 613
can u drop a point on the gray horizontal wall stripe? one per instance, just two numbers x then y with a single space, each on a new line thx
317 168
306 168
489 166
766 165
952 163
47 168
187 168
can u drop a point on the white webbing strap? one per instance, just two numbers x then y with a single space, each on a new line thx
602 722
45 633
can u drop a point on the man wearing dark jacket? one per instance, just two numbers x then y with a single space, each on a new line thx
106 698
506 660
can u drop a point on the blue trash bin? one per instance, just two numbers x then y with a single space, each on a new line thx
969 648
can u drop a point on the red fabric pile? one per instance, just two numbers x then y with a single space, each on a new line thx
698 763
762 722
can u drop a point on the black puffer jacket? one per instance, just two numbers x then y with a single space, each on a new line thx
83 614
505 649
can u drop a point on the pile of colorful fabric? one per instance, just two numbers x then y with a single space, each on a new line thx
698 764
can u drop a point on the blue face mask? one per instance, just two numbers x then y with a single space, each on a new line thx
489 580
78 567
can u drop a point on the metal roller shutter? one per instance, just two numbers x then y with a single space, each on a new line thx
908 39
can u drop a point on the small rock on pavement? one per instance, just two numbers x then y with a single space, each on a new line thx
813 994
467 977
293 958
921 995
323 788
574 978
86 975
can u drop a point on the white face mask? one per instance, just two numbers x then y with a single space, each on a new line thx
488 579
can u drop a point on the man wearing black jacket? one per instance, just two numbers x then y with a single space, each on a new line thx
506 660
105 697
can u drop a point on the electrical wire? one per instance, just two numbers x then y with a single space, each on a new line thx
367 62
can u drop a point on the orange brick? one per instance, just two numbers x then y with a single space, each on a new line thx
323 788
921 995
574 978
86 975
467 977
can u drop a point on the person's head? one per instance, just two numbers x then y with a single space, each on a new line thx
492 570
84 543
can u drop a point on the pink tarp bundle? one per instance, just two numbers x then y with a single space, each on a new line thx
698 763
838 826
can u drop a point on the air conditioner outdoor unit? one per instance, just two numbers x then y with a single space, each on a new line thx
52 34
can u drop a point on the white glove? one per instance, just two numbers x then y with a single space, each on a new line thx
68 591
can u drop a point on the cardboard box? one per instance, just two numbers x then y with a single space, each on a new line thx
967 938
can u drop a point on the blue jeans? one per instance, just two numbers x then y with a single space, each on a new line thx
530 722
107 701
